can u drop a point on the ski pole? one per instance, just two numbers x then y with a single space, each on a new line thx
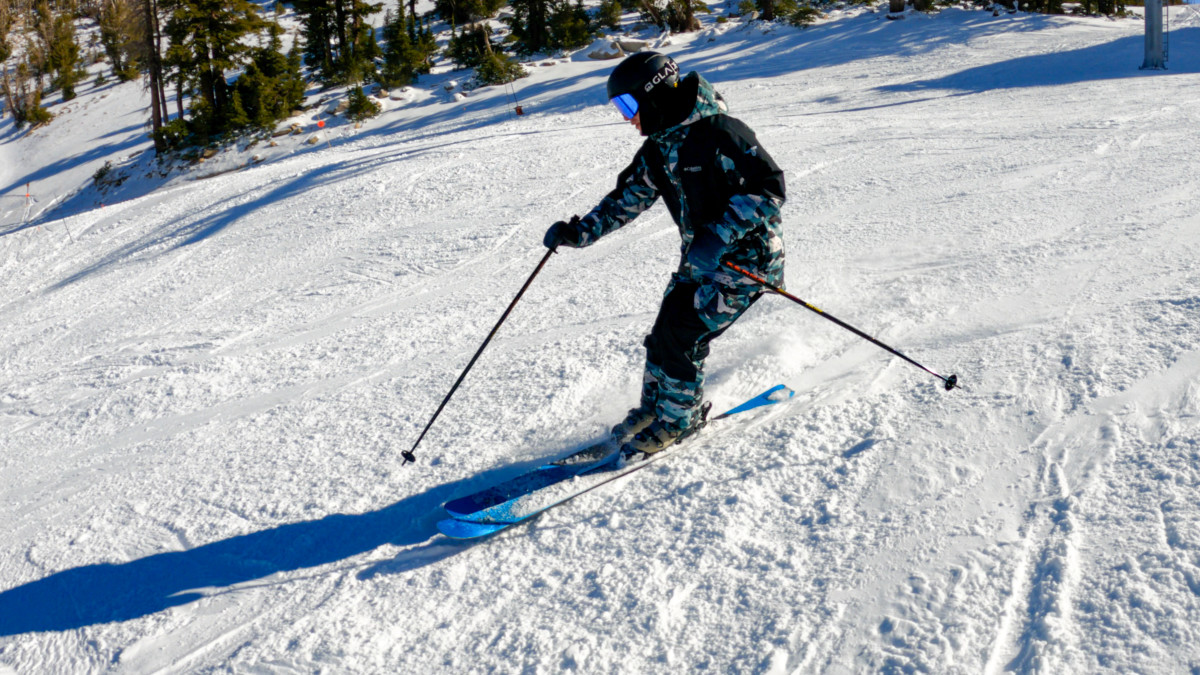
408 455
951 382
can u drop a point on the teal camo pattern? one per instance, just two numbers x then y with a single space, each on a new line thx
676 401
750 226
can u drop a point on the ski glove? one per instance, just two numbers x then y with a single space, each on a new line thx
704 255
563 233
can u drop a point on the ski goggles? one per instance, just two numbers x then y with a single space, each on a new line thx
627 104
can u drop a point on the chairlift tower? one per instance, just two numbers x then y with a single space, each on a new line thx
1156 54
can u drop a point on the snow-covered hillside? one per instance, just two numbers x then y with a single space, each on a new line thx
206 386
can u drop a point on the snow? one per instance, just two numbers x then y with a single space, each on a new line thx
208 382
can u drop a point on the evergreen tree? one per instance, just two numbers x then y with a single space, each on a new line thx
271 87
360 65
530 24
680 15
543 25
149 54
767 9
569 25
207 40
317 29
6 23
293 85
119 26
609 14
460 12
495 68
426 46
339 44
401 58
470 46
63 53
23 101
360 105
38 41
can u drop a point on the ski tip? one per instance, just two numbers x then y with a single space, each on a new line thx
780 393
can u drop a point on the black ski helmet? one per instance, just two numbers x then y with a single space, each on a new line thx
650 78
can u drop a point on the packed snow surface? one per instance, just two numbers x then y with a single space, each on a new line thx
207 384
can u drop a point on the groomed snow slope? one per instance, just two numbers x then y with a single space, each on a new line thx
206 388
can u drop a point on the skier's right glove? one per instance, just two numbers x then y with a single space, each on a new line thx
563 233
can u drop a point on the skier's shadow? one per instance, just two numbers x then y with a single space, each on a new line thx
104 592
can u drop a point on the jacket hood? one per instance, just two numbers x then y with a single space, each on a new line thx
698 99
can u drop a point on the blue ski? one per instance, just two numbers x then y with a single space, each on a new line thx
551 484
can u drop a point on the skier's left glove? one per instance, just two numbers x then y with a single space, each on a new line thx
563 233
704 255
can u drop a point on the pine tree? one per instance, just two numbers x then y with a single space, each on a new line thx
460 12
38 41
317 31
207 40
6 23
681 15
400 57
543 25
23 101
470 46
339 44
150 49
425 45
569 25
271 86
119 24
495 68
63 59
609 14
530 25
360 105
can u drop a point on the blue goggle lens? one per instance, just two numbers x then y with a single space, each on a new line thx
627 104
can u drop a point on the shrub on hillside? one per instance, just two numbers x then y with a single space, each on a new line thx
361 106
498 69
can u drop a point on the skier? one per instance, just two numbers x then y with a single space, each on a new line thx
725 193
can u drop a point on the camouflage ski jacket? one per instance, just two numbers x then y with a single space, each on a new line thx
712 173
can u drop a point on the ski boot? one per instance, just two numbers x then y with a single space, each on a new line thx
660 435
638 419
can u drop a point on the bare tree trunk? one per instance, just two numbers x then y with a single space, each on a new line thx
655 15
154 71
896 6
157 56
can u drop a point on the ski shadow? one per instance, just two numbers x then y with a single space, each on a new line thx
107 592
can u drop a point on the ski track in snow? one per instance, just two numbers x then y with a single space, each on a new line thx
208 385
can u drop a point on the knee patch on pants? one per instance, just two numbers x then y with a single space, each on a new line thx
691 316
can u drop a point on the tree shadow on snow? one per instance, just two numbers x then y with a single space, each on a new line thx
1114 60
211 219
106 592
